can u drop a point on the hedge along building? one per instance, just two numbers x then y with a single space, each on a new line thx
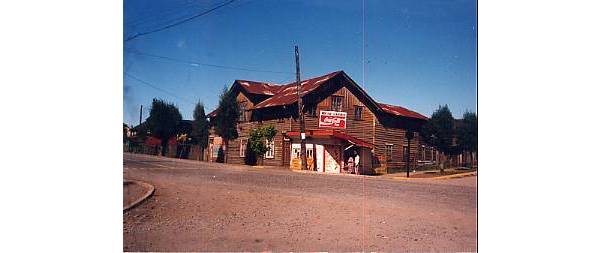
341 120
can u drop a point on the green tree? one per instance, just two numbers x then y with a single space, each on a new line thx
225 122
466 134
257 146
163 121
125 127
200 128
439 132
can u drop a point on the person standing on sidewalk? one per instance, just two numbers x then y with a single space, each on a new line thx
350 165
356 164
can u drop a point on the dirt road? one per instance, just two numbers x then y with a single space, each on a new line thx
204 207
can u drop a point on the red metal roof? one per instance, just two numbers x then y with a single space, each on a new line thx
287 93
259 87
401 111
334 134
212 114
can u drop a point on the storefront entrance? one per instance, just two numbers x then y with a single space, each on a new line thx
327 151
314 157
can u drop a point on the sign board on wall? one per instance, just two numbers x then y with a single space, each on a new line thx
332 119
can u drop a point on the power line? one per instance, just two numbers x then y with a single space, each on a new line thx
205 64
152 13
179 22
158 88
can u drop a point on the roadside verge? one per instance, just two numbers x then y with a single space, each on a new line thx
149 192
459 175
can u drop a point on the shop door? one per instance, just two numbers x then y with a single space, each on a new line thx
286 153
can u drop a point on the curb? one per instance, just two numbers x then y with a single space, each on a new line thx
460 175
149 193
466 174
324 173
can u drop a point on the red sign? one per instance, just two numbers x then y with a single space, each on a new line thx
332 119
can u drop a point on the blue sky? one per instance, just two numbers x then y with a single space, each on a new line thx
418 54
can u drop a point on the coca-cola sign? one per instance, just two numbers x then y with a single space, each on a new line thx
332 119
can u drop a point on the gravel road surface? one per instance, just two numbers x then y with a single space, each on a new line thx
215 207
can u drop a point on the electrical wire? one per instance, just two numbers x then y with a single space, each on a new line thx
154 14
179 22
158 88
194 63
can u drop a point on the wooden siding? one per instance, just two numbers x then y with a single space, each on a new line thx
396 137
374 127
241 98
368 129
244 129
361 129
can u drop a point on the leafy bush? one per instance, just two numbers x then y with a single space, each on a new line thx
257 146
250 156
221 155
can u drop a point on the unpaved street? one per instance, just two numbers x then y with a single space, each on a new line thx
206 207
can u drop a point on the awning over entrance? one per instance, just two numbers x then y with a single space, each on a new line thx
332 134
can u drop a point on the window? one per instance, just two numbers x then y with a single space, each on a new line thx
296 153
271 149
312 111
358 112
242 116
405 153
336 103
243 145
388 152
309 154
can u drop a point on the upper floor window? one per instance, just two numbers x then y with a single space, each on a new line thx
271 149
242 116
312 111
336 103
358 112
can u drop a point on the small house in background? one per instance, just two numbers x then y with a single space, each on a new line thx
179 146
341 121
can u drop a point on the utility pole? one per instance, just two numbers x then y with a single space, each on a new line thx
141 107
300 112
409 135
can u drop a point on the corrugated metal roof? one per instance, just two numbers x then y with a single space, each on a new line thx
260 88
401 111
287 94
212 114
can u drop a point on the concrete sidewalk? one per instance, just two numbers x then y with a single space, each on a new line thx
418 175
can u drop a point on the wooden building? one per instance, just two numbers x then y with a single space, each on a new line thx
341 120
